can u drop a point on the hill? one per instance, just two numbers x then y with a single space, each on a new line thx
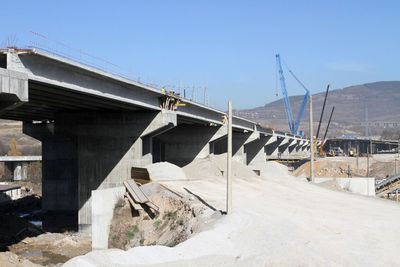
380 99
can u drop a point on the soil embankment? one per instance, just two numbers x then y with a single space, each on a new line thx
176 220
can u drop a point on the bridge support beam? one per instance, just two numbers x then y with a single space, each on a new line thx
292 146
255 152
272 146
284 145
239 140
184 143
88 151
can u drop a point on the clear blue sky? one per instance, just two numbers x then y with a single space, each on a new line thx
228 45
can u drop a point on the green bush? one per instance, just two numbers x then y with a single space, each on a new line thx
172 215
132 232
157 223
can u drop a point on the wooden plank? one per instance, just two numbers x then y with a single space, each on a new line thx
136 192
152 205
138 195
172 191
134 205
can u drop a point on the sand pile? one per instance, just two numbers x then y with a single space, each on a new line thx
271 169
214 166
202 168
164 171
333 167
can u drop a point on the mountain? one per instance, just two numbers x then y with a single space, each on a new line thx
379 100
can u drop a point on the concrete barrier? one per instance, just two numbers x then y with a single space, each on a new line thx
103 203
358 185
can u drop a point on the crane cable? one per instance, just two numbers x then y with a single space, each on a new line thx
276 78
294 76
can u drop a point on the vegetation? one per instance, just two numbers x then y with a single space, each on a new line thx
157 223
132 232
115 238
171 215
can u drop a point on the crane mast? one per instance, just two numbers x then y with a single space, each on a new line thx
293 125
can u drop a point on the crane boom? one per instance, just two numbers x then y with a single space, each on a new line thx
321 148
285 95
293 125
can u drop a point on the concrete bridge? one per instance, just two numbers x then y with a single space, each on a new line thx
94 126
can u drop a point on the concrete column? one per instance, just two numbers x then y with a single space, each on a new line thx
272 146
283 147
88 151
239 140
8 171
292 146
255 152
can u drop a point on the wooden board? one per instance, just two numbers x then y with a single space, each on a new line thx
134 205
172 191
136 192
152 205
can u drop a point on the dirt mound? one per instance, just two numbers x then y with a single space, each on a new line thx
176 219
163 171
333 167
272 169
202 168
382 170
8 259
214 166
52 248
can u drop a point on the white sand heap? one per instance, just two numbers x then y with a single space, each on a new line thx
214 166
165 171
272 169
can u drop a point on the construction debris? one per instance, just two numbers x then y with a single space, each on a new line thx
172 191
138 196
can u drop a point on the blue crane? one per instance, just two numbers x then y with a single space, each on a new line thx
293 125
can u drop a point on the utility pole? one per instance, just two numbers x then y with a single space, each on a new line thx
370 144
206 95
366 121
194 94
368 155
311 142
358 173
395 167
229 163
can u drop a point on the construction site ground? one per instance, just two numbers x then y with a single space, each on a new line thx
277 220
22 240
381 166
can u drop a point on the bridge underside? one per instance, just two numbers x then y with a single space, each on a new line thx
92 136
